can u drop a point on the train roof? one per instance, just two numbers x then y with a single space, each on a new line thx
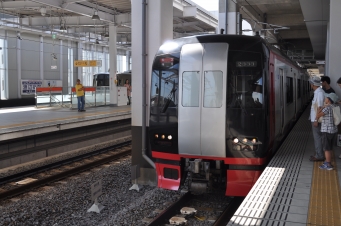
236 42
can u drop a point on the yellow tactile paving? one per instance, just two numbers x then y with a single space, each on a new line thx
325 197
84 115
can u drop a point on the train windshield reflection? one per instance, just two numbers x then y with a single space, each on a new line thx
164 86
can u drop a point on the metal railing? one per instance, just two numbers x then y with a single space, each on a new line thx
66 96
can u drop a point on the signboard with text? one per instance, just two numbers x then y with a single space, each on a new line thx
87 63
28 87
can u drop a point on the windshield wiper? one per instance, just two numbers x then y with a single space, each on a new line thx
169 99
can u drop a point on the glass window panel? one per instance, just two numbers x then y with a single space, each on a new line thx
190 88
213 90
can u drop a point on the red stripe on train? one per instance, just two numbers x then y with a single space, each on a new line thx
234 161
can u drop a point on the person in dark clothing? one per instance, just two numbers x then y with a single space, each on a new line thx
326 84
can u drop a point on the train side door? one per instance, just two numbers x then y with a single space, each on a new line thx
202 108
281 93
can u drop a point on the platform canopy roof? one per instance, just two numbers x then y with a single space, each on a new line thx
306 19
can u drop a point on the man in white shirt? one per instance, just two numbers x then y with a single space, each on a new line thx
316 104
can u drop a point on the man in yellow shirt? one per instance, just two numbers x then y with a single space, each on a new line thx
80 95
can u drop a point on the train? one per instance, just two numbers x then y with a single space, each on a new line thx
102 79
219 107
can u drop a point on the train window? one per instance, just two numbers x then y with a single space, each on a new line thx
289 90
298 88
190 88
213 90
164 85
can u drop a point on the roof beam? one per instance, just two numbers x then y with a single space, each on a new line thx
186 24
74 21
19 4
76 8
202 15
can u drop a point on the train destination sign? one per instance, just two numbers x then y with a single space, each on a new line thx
87 63
246 64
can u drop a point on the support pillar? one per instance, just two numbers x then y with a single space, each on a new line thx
19 63
41 58
128 60
222 18
61 60
113 64
333 53
159 28
228 17
80 57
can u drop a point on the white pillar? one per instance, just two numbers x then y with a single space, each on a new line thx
80 57
61 60
232 18
160 29
222 18
326 69
19 63
112 64
228 17
128 60
334 47
41 58
93 48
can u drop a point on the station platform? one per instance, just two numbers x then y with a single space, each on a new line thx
29 121
293 190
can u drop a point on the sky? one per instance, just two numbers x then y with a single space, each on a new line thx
212 5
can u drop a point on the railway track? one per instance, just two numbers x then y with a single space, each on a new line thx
208 209
21 183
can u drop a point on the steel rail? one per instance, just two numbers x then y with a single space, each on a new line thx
54 165
225 217
35 184
171 211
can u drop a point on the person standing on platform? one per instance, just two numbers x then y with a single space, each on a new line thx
328 128
80 92
126 84
325 80
316 106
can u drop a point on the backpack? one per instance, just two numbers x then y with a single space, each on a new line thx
336 115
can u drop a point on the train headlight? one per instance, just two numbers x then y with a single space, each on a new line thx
163 137
170 137
235 140
244 140
156 135
254 140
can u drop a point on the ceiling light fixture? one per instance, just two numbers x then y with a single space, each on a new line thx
54 57
43 11
62 24
95 15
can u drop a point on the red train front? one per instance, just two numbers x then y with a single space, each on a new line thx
210 113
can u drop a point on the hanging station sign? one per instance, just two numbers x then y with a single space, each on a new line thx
87 63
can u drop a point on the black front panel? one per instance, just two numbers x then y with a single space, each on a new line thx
163 130
246 109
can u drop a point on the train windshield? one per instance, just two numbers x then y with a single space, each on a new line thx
245 81
245 104
164 86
